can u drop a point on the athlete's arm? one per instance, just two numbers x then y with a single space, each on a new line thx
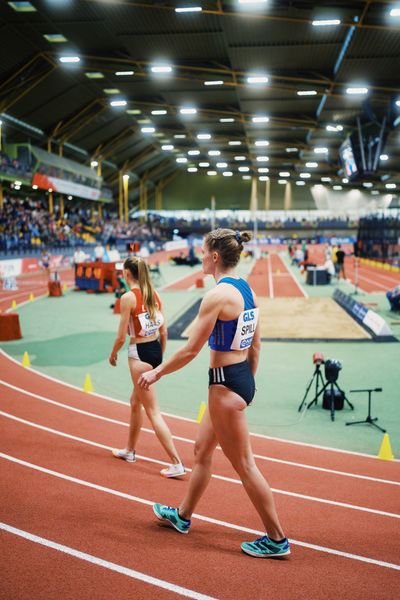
163 331
208 314
254 350
128 303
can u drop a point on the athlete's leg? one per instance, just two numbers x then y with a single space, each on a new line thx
230 426
149 401
136 421
203 452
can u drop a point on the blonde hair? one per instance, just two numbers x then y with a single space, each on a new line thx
228 243
140 273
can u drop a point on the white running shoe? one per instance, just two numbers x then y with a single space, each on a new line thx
128 455
173 471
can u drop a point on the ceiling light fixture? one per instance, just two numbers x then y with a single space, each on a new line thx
214 153
227 120
262 159
257 79
260 119
161 69
203 136
307 93
188 9
124 73
158 112
148 129
234 143
357 91
214 82
325 22
118 103
194 152
69 59
311 165
167 147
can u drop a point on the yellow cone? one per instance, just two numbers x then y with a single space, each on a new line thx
202 410
65 288
87 386
25 360
31 297
385 451
13 305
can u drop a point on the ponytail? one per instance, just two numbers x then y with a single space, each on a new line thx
140 273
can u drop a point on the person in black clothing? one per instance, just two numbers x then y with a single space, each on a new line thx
340 256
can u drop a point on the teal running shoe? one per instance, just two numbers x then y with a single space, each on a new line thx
170 514
263 547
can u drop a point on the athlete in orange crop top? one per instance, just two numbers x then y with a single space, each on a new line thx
142 319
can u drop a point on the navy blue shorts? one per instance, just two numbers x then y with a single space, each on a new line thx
237 377
148 352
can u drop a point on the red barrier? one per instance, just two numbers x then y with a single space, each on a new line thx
9 327
54 289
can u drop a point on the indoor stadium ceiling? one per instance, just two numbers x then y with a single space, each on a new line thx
238 86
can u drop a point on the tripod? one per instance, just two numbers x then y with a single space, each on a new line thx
332 385
368 419
318 380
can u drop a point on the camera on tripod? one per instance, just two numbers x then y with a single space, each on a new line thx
333 396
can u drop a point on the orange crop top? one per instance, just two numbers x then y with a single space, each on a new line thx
140 324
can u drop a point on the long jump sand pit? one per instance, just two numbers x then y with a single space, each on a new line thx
307 318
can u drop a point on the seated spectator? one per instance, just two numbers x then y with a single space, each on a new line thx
394 298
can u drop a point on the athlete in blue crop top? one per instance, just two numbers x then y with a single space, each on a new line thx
228 319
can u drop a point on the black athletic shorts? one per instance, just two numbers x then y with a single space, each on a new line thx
148 352
237 378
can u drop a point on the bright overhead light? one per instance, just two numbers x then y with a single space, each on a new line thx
34 187
325 22
19 183
234 143
345 180
357 91
214 153
252 1
192 170
395 12
263 178
262 159
326 179
375 193
180 136
390 186
320 150
307 93
337 188
221 165
94 75
144 121
368 184
263 170
261 143
204 136
125 177
118 103
240 158
227 173
188 9
94 163
194 152
305 175
227 120
188 111
282 181
214 82
260 119
211 173
244 169
167 147
148 129
311 165
300 183
161 69
181 159
159 112
246 176
133 111
334 128
204 164
69 59
22 6
123 73
257 79
284 174
111 91
384 157
398 103
55 38
292 149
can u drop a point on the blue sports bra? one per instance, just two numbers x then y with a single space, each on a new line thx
236 334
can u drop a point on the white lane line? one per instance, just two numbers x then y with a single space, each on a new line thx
372 282
226 524
214 476
187 419
270 279
100 562
303 291
190 441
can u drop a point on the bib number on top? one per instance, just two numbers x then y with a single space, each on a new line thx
149 326
246 327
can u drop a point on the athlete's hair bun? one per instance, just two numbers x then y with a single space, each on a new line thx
245 237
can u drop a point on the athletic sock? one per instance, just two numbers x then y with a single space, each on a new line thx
277 541
182 518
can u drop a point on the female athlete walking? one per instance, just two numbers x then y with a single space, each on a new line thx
143 320
228 318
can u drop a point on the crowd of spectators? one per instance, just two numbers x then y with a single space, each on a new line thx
26 225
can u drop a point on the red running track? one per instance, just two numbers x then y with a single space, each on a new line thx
270 277
60 483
